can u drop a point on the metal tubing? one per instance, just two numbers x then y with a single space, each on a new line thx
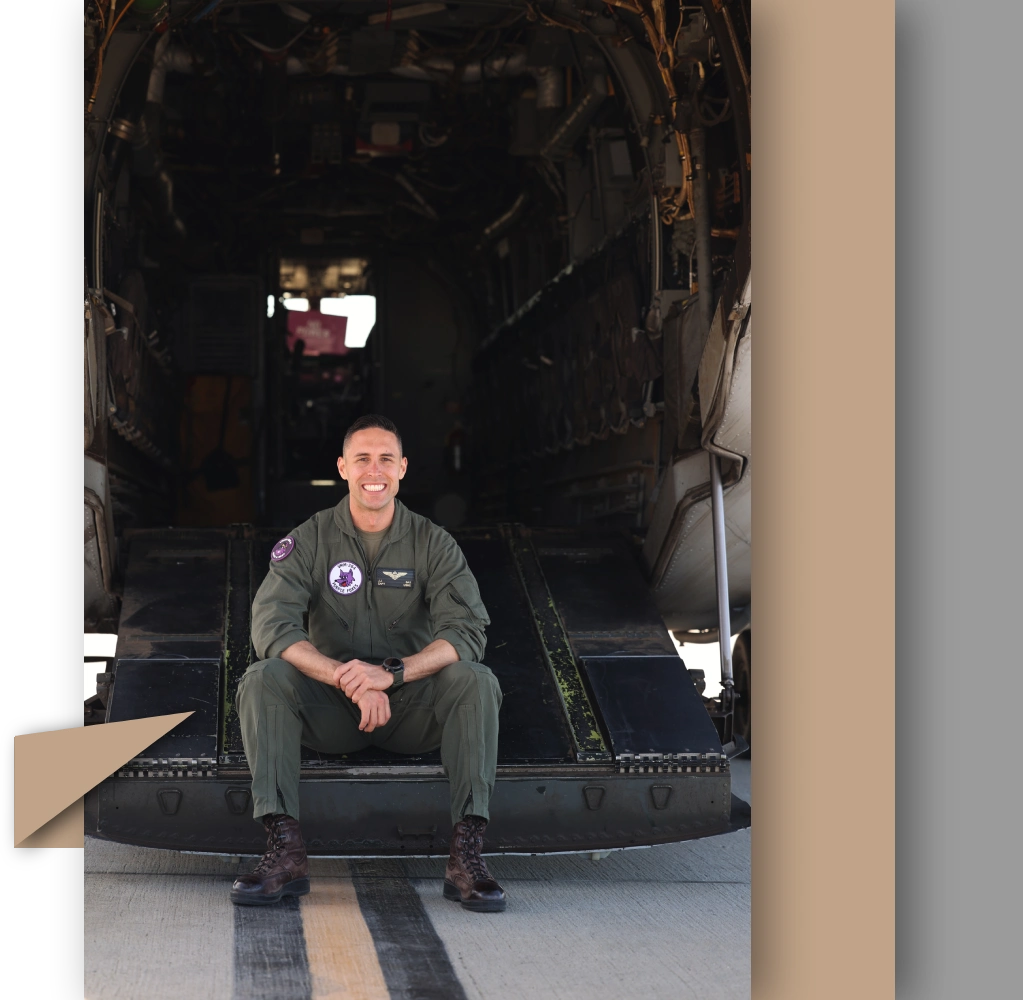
656 250
575 120
550 86
97 241
598 183
717 504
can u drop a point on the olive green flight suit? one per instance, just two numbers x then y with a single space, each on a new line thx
320 588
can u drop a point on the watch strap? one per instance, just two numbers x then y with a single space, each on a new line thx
397 668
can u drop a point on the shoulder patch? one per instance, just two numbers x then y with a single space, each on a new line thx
282 549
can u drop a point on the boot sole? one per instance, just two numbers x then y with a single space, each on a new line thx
476 905
296 887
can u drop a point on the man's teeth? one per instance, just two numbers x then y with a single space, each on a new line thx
374 487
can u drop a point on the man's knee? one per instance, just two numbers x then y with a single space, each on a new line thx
276 677
468 677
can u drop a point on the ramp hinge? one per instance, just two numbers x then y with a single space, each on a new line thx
169 767
671 763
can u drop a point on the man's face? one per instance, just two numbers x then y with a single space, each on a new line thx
372 466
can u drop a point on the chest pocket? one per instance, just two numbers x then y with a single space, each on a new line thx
397 587
394 577
397 606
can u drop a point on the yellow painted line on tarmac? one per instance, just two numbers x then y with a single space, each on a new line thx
343 960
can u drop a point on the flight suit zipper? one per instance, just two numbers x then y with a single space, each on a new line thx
368 585
402 612
465 604
337 615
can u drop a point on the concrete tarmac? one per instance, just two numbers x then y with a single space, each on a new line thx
660 922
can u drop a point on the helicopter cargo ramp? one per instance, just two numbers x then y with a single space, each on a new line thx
605 742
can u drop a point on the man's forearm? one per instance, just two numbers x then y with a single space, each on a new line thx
306 657
430 660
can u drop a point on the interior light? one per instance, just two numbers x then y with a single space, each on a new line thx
270 300
361 312
297 305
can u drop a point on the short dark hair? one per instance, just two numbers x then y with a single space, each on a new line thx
372 420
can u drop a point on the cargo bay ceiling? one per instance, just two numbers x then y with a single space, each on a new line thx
441 124
546 200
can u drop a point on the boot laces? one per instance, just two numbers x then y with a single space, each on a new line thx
472 845
477 867
274 849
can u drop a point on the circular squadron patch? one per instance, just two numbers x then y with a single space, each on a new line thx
282 549
345 577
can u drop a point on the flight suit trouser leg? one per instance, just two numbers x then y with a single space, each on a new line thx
455 709
279 709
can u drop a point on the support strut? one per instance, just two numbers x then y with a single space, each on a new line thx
717 503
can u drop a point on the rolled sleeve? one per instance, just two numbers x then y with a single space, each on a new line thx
277 646
468 650
453 597
283 598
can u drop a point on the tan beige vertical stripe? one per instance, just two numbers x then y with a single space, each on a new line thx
343 960
823 508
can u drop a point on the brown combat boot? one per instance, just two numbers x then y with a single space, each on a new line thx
467 878
282 871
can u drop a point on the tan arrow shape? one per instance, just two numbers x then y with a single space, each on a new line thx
53 770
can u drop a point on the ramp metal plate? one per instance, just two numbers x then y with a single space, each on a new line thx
650 705
161 687
532 724
173 595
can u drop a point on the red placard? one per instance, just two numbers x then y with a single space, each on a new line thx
322 334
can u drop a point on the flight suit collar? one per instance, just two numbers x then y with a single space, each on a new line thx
399 526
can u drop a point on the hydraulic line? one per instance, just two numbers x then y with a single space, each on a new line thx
575 120
103 48
665 57
743 71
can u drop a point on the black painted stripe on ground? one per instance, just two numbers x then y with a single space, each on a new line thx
412 957
270 961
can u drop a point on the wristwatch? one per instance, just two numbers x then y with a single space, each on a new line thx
397 669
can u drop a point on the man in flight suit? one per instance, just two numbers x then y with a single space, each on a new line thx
370 629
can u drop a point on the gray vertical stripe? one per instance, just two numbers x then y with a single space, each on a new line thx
412 957
270 961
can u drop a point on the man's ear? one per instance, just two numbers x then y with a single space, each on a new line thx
404 466
341 467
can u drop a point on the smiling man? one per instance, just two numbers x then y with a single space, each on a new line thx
370 630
